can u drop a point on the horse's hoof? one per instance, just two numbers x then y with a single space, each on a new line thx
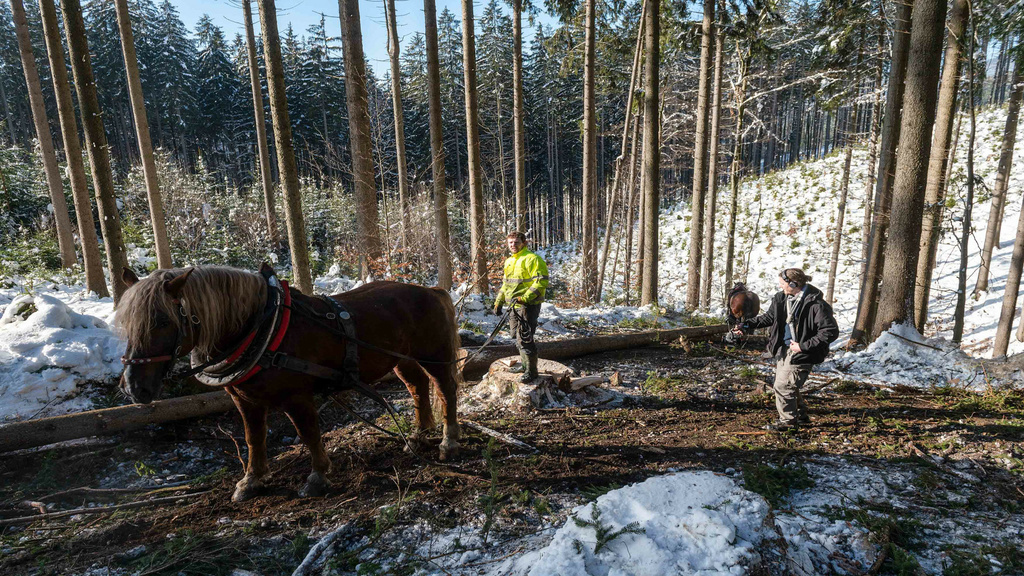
316 486
449 449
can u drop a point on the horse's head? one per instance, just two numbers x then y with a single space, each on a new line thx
158 330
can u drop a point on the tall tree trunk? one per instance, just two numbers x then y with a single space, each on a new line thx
91 259
652 152
1009 308
444 255
589 241
261 126
742 62
995 216
478 239
519 150
837 241
709 215
131 66
935 188
361 139
394 47
96 144
899 273
287 171
876 127
961 293
867 305
700 157
617 175
62 219
7 115
629 187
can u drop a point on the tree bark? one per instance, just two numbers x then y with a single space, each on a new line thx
360 138
965 230
96 144
589 240
712 192
1009 308
519 150
478 240
91 259
131 66
652 152
61 217
700 157
876 127
394 48
286 168
616 190
743 62
899 273
995 216
261 126
868 303
444 255
935 188
837 241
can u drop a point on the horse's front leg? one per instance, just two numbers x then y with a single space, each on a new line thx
256 472
302 412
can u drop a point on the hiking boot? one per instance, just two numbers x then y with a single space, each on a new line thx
782 426
524 362
803 420
531 369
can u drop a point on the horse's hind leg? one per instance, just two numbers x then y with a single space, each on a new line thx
302 412
447 388
418 384
256 471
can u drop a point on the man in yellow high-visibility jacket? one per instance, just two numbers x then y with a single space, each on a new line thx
526 280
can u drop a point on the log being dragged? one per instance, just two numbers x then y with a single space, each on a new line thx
43 431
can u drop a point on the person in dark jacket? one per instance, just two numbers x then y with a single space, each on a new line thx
801 327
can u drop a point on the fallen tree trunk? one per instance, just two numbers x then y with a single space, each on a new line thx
43 431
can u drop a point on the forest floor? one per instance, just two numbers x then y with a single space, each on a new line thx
935 480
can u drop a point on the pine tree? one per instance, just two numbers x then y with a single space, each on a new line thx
260 124
476 194
700 156
652 152
444 255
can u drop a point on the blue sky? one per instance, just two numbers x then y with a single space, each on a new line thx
303 13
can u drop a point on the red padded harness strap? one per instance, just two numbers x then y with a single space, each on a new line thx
278 337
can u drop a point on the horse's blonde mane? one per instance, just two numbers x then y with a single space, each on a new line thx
222 298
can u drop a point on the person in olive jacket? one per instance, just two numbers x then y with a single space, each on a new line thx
801 327
526 281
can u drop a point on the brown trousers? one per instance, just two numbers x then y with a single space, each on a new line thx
789 379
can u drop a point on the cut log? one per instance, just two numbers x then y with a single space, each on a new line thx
43 431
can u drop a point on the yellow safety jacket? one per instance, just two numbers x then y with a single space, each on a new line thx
526 278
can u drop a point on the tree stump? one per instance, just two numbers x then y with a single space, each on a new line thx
554 387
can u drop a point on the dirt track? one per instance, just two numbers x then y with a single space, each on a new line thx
690 410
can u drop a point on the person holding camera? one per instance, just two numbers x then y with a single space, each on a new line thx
801 326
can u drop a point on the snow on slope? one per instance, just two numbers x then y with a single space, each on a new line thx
787 218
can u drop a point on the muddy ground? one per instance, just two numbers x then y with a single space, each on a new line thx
696 408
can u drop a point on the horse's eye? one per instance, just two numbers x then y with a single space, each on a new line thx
162 323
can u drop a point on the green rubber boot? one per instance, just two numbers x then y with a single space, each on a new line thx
531 373
524 362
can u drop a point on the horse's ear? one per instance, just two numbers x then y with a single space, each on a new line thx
175 285
266 270
128 276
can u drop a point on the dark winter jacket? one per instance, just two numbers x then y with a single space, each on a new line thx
816 327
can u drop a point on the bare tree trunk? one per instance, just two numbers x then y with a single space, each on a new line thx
995 216
131 66
709 216
360 138
589 241
700 157
899 273
61 218
1009 308
961 293
837 241
478 239
652 152
394 48
876 127
7 115
519 149
868 303
261 126
630 187
287 171
616 177
935 188
96 144
91 258
444 255
742 63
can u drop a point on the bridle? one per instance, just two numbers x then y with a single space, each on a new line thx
190 320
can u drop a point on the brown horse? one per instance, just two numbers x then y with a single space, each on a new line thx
743 305
207 311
